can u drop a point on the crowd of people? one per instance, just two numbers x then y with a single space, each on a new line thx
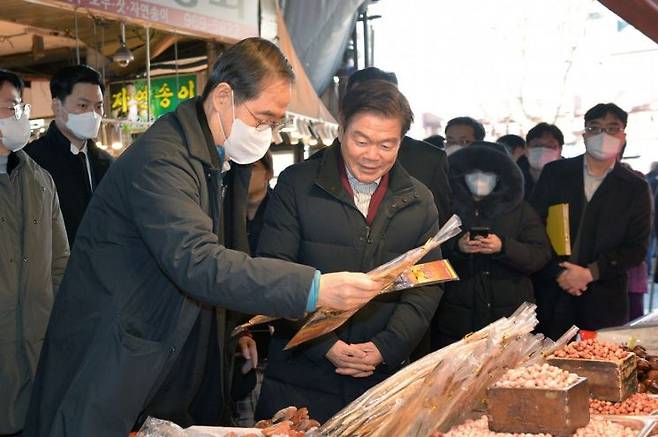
121 280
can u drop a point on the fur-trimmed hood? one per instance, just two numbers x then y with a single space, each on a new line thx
489 158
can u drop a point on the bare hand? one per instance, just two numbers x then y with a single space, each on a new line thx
574 279
346 291
489 245
466 245
349 360
249 351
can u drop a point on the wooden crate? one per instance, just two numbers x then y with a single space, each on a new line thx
608 380
533 410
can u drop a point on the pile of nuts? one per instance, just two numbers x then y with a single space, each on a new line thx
647 370
604 428
592 350
597 427
290 422
637 404
480 428
542 376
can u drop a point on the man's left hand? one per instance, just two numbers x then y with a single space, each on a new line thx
574 279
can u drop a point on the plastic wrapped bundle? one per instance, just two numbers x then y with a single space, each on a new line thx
390 275
441 389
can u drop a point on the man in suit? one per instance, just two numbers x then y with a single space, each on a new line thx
609 220
423 161
462 132
68 150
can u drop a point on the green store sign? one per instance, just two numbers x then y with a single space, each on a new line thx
129 99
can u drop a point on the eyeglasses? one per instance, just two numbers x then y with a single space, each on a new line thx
458 142
262 125
610 130
18 109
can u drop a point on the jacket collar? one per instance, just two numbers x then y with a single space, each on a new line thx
198 138
328 177
55 136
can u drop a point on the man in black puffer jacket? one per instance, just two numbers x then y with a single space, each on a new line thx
494 270
353 208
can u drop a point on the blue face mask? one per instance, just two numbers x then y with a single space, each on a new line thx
481 184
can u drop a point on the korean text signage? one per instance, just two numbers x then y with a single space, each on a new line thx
129 99
233 19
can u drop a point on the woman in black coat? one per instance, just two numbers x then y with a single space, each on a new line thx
494 270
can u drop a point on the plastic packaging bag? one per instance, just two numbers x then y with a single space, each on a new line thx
392 275
440 389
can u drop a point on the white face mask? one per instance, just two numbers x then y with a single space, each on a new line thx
15 133
538 157
246 144
603 146
481 184
84 126
453 148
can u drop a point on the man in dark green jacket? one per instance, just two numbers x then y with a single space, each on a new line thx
33 254
141 307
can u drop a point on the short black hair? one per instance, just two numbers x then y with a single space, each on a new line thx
512 141
246 66
602 109
437 140
12 78
63 81
379 97
544 128
370 73
478 129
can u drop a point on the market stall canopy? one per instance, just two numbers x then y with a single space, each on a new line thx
305 101
642 14
226 21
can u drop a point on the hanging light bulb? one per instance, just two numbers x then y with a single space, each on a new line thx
123 56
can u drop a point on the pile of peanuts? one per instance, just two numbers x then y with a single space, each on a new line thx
597 427
637 404
289 422
480 428
542 376
605 428
592 349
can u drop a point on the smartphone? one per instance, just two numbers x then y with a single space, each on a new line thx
482 231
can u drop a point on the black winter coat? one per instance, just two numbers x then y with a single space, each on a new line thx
53 152
428 164
615 226
490 286
312 220
138 286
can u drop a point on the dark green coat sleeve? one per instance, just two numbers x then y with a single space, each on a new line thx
165 203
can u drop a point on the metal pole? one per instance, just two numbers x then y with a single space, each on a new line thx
148 74
355 48
176 62
101 48
77 40
366 40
